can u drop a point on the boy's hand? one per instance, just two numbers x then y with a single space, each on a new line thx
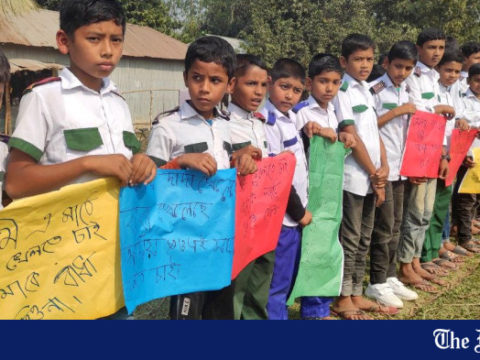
202 162
443 169
382 173
245 164
110 165
380 196
250 150
312 128
406 109
462 124
417 181
468 162
329 133
143 170
347 139
445 110
307 219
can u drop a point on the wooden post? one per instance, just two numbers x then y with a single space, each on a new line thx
8 110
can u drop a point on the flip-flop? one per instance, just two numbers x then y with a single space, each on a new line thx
434 269
438 281
349 314
460 251
423 285
450 256
444 263
380 309
471 246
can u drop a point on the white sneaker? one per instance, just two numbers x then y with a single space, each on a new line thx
401 290
383 293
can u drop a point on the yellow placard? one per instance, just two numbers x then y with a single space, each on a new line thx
60 254
471 180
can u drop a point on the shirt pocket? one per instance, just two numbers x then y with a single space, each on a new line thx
131 142
196 148
84 140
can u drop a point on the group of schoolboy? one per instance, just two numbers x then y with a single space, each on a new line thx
77 127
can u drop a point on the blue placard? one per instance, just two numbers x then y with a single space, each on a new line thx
176 234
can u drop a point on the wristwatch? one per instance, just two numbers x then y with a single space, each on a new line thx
445 157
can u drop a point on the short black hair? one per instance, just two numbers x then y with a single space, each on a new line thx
470 48
404 50
244 61
324 62
212 49
77 13
354 42
430 34
285 68
451 55
4 68
474 70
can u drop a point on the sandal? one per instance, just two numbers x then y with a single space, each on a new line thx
354 314
471 246
460 251
450 256
434 269
380 309
444 263
423 285
438 281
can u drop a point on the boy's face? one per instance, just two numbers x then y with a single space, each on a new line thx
249 89
399 69
474 83
207 83
94 51
285 93
359 64
471 60
324 86
449 72
431 52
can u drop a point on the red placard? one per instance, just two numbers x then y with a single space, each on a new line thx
260 207
460 142
423 148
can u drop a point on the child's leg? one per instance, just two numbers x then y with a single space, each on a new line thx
283 273
219 304
241 288
256 297
398 188
315 307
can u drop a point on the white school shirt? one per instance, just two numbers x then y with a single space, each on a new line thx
448 95
247 128
394 133
463 82
61 119
282 134
423 87
3 167
183 130
471 113
354 105
310 110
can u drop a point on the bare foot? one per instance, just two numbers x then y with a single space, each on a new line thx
420 271
407 275
345 309
448 246
372 306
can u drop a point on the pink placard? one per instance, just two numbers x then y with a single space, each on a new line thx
460 142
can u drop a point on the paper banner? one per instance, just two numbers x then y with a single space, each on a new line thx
471 181
261 203
459 145
423 148
59 254
321 262
177 234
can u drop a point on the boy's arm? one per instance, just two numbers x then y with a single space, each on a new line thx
408 108
25 177
296 210
360 152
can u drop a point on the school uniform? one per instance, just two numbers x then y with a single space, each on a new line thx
388 217
252 285
281 135
463 204
354 105
306 111
3 168
175 133
60 119
418 199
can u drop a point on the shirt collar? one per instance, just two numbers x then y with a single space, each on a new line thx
425 69
278 114
464 74
470 94
237 111
443 87
187 111
70 81
352 82
313 104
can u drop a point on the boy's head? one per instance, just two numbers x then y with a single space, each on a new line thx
450 67
4 74
471 54
209 67
358 56
286 84
324 78
400 61
91 33
249 84
474 79
431 46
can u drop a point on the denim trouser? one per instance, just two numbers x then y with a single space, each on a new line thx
417 211
355 234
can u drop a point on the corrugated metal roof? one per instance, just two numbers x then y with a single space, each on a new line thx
31 65
38 28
